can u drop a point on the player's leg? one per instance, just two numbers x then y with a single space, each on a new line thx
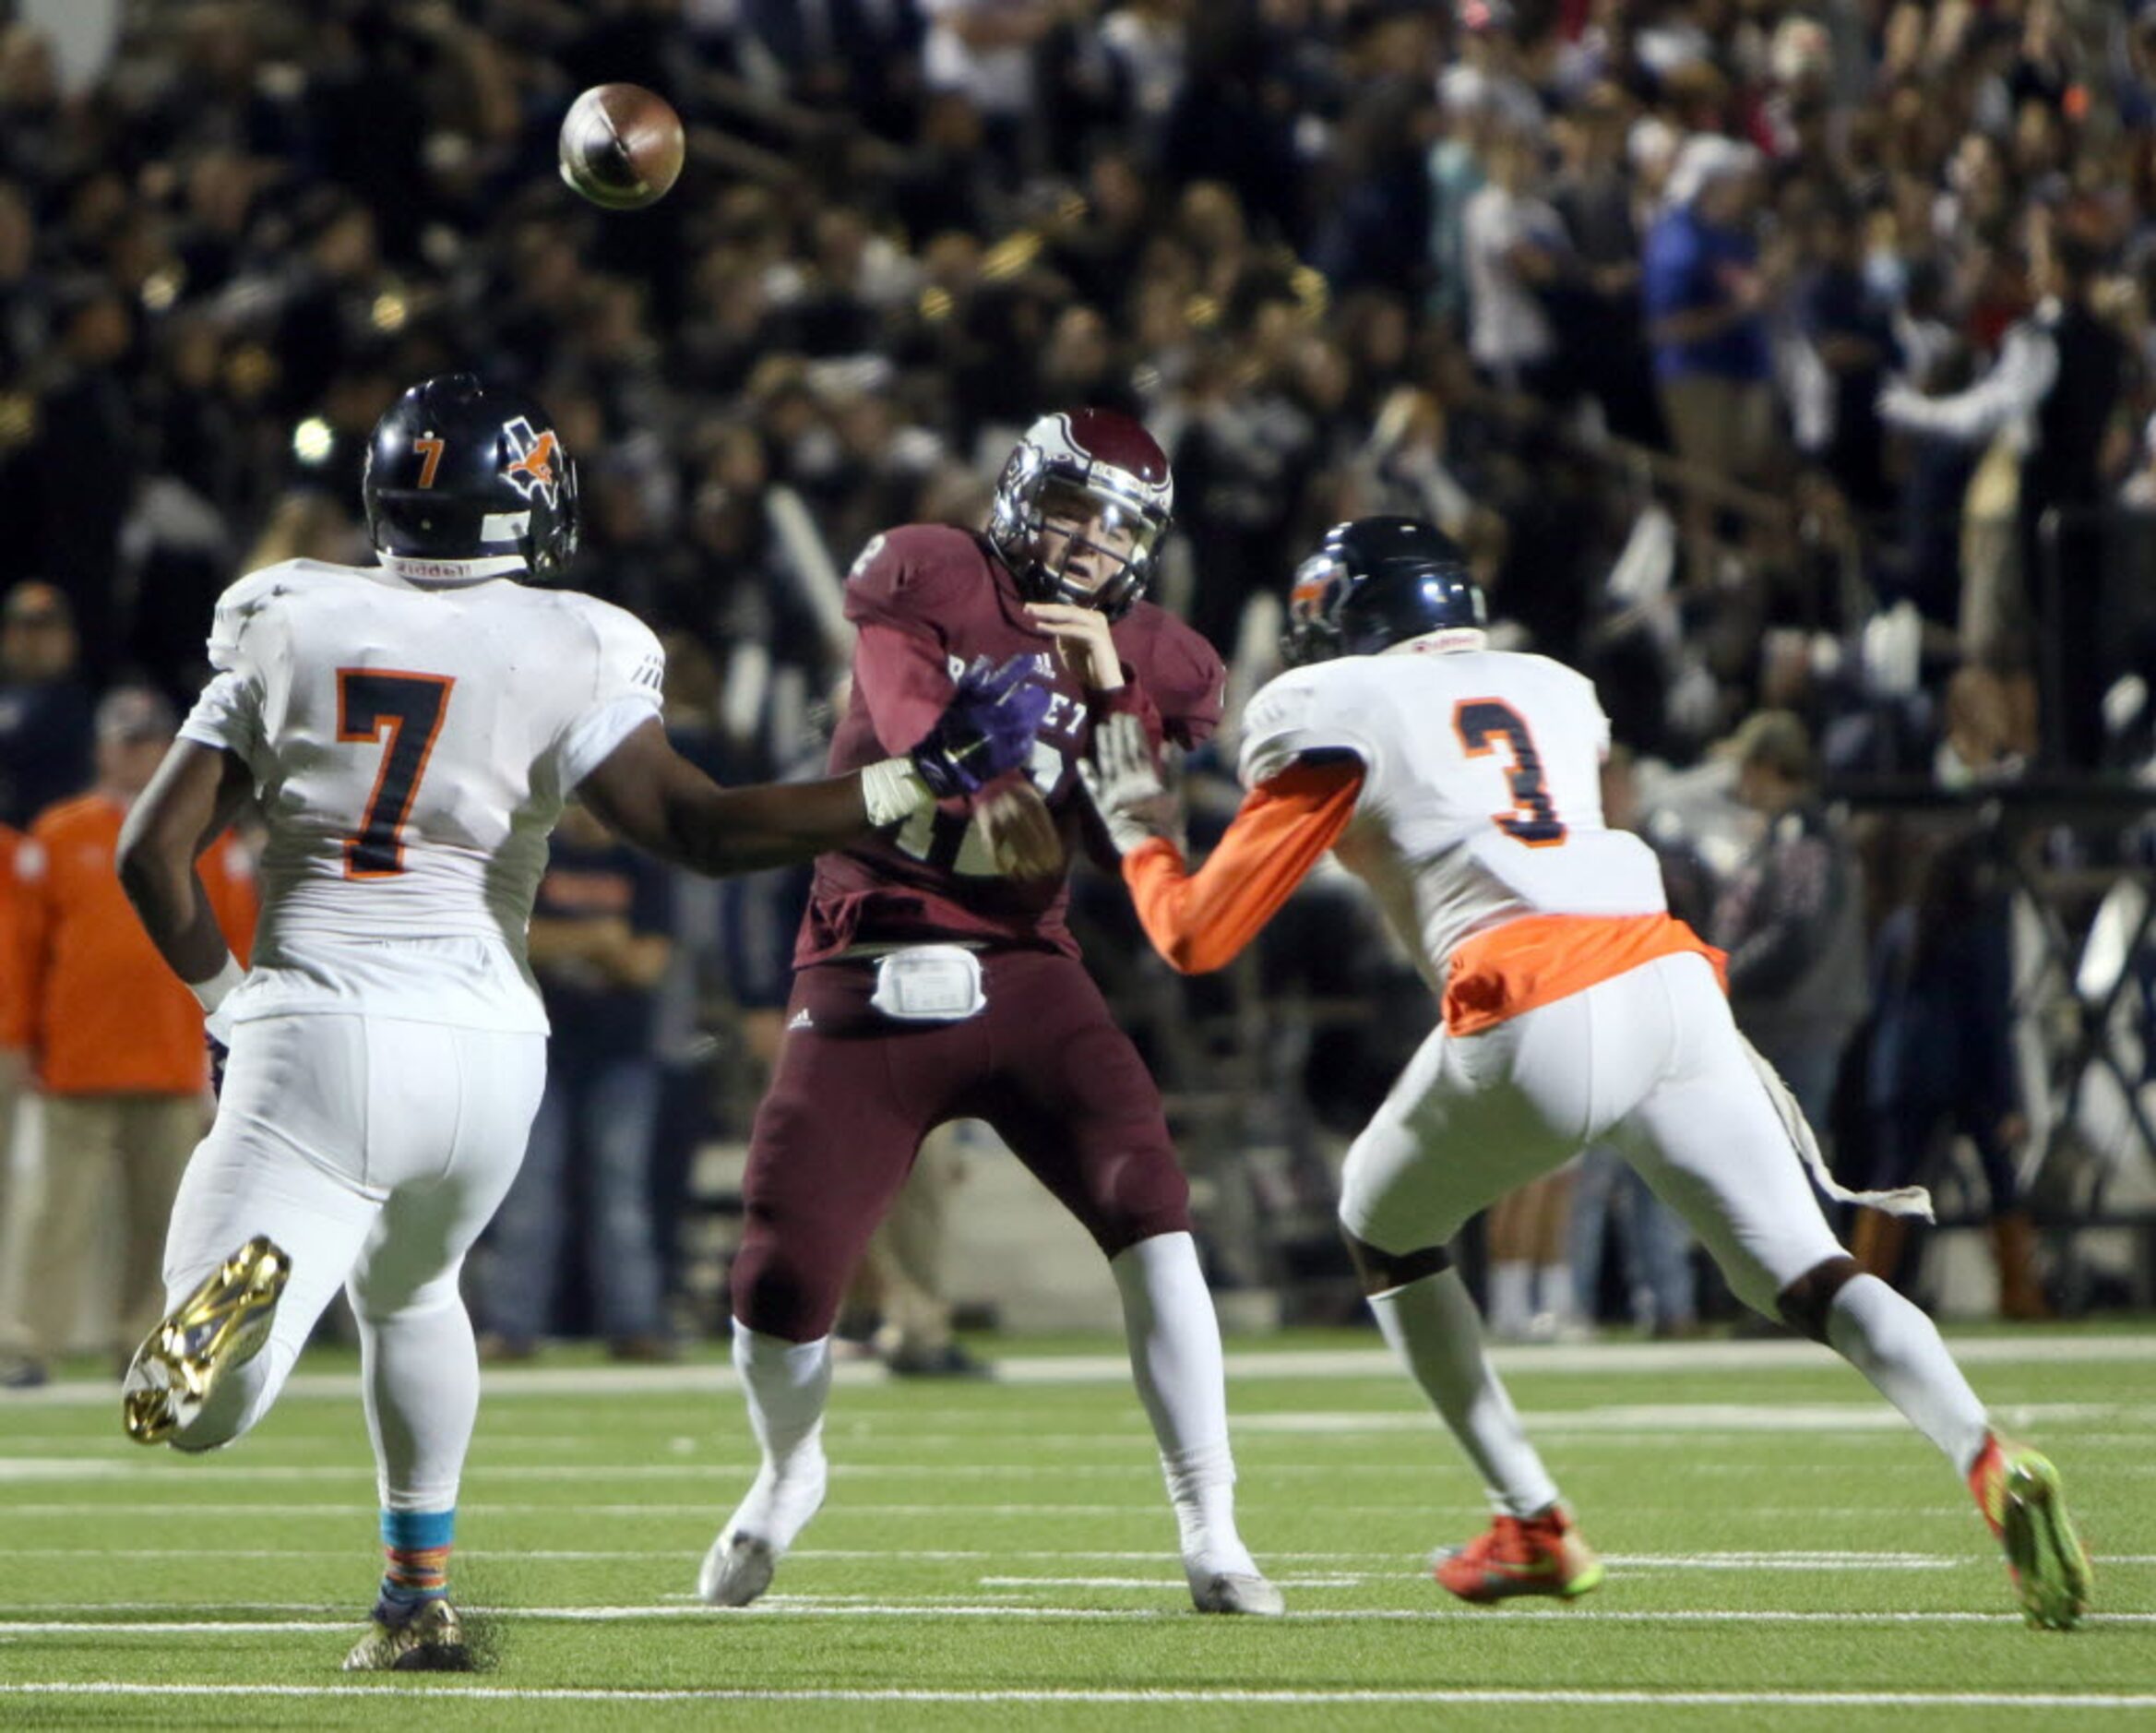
1712 1141
271 1211
1073 1099
851 1098
1456 1131
453 1108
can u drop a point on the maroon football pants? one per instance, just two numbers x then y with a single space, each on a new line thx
855 1092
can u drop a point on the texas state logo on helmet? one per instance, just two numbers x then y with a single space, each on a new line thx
461 474
1097 468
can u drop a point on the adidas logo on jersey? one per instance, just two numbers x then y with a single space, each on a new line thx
800 1019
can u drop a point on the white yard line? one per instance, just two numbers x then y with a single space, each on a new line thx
1653 1360
826 1607
1464 1695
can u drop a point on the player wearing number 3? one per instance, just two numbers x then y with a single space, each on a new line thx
1462 785
929 986
409 732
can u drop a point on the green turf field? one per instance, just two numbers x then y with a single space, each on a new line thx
1783 1553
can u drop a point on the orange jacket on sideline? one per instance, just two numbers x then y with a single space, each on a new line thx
106 1015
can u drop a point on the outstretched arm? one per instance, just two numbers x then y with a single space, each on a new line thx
194 796
655 798
646 792
1200 921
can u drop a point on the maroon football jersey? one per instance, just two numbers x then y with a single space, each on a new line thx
927 600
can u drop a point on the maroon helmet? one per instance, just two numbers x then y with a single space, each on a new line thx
1093 467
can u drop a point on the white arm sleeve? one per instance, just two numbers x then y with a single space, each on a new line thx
244 638
2027 368
1294 716
627 688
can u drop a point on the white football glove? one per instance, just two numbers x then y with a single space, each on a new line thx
1124 785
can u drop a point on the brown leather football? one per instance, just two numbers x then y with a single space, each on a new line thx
621 146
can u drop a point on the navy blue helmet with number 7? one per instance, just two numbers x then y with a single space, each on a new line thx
1375 582
461 471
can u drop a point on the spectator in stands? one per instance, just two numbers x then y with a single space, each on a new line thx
1791 916
599 946
1515 247
1707 300
44 704
2054 392
1942 1060
117 1041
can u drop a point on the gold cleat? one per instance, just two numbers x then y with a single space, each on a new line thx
431 1640
222 1324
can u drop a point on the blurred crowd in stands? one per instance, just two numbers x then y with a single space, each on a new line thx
1781 360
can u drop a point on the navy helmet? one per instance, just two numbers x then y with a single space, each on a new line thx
458 471
1376 583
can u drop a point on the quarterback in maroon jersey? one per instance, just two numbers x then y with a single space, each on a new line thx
931 984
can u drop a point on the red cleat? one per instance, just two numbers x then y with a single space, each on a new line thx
1534 1555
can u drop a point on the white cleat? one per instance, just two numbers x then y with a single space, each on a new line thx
1233 1592
737 1569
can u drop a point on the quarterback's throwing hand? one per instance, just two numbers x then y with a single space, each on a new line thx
987 729
1125 786
1083 641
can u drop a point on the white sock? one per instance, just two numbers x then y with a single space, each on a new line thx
787 1384
422 1391
1553 1291
1895 1345
1433 1327
1511 1297
1175 1360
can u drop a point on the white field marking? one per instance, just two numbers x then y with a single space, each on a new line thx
1233 1696
345 1513
1640 1422
1410 1562
714 1509
816 1606
32 1468
1652 1359
1656 1419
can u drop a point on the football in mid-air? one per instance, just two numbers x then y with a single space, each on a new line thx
621 146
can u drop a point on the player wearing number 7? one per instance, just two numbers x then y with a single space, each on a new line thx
1461 784
409 732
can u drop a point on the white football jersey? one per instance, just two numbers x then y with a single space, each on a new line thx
1482 790
411 747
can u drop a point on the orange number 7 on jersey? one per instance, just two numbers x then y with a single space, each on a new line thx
409 707
1481 722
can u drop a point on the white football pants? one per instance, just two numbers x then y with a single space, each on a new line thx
373 1151
1648 1061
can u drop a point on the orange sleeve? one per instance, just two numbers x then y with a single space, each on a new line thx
1199 921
